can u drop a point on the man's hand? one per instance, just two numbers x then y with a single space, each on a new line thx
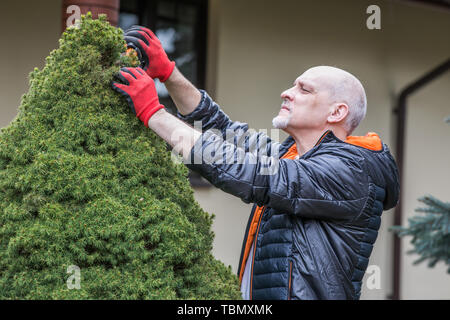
152 55
140 93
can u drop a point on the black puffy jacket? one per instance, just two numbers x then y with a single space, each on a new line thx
319 214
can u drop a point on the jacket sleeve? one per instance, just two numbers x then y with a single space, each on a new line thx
211 117
327 185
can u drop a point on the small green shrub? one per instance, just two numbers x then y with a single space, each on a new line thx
83 182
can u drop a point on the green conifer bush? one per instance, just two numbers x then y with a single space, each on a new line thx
84 183
430 232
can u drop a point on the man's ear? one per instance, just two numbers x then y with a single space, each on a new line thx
339 113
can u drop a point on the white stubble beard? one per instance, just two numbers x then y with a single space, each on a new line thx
280 122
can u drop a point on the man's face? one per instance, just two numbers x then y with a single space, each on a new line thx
306 105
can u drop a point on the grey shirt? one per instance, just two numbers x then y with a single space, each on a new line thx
245 284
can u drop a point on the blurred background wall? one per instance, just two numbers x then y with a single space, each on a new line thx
29 30
254 51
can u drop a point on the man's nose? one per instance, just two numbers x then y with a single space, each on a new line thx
286 94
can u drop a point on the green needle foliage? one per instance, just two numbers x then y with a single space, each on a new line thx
84 183
430 232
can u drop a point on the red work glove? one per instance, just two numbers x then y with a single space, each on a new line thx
139 91
153 58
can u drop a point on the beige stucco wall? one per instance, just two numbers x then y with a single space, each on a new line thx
29 30
420 44
260 49
255 52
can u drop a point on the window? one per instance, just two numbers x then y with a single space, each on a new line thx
181 26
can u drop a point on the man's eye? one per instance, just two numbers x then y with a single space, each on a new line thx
306 90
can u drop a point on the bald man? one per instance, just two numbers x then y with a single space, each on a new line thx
318 196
